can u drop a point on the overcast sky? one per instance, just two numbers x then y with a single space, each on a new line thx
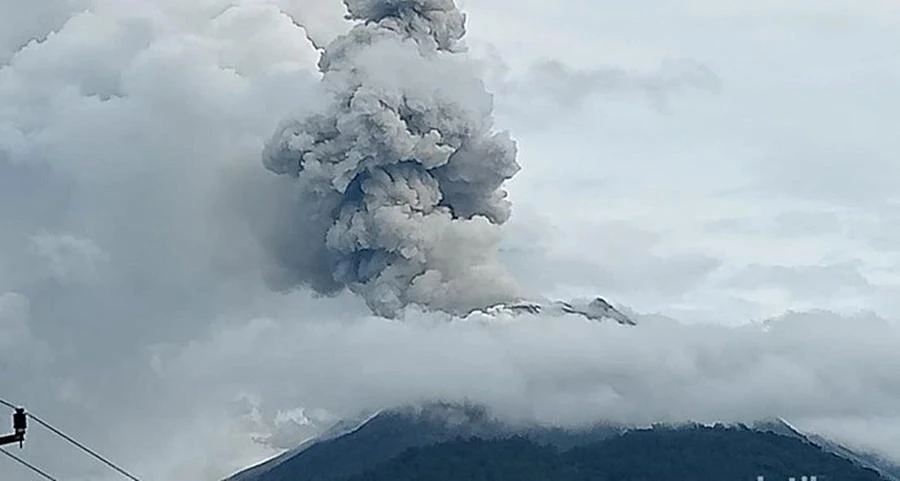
718 162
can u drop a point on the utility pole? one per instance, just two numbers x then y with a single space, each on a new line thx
20 424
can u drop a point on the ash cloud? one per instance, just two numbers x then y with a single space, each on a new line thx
400 176
131 309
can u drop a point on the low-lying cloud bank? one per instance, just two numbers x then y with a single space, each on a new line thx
132 202
815 369
567 371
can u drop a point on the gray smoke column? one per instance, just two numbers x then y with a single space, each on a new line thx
400 176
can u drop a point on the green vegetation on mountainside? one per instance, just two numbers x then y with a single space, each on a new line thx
659 454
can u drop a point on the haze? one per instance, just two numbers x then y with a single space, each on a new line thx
709 165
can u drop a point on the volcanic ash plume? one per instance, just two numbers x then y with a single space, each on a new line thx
401 174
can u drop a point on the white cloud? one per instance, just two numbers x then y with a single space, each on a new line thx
22 23
14 313
68 258
19 348
812 368
130 141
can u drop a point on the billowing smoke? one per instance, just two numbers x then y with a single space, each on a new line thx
401 174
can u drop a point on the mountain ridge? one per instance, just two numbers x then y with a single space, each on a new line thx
699 453
356 447
390 432
597 309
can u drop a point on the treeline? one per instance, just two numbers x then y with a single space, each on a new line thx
684 454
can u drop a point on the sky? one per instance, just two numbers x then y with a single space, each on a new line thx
720 169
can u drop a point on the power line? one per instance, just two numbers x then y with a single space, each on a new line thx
28 465
84 448
75 443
